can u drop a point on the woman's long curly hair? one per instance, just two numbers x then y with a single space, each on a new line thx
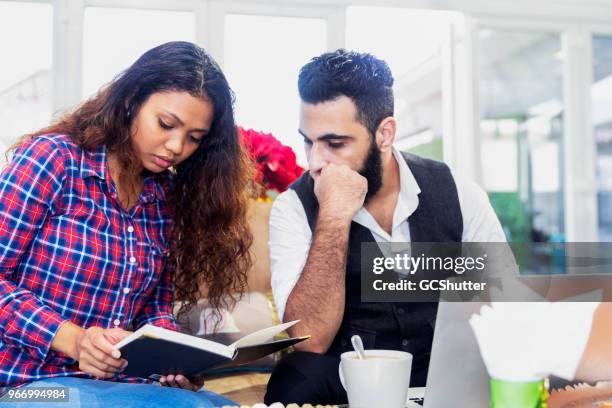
210 242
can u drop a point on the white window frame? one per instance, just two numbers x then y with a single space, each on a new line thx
595 29
68 39
68 16
334 16
579 170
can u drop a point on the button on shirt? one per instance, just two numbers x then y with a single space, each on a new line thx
290 234
69 251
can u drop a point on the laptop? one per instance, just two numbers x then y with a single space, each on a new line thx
457 375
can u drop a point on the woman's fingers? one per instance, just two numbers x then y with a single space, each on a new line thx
180 381
90 366
171 381
197 382
105 353
106 362
101 343
183 382
167 381
103 366
116 334
98 356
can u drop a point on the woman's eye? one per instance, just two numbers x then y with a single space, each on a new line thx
195 139
164 125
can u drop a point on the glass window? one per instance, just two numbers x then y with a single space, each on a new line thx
25 71
411 42
601 97
136 31
521 104
262 58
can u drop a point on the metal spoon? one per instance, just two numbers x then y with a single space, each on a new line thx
358 346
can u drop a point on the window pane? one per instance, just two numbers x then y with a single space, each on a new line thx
410 41
135 30
262 58
25 71
521 131
601 97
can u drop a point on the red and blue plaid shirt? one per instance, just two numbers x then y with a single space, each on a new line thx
70 251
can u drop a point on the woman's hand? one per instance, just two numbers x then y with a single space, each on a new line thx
96 353
180 381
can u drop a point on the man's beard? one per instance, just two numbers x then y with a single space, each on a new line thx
372 170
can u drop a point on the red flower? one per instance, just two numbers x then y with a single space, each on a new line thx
276 163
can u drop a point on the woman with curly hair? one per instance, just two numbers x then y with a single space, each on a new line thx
138 194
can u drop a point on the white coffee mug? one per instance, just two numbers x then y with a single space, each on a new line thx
382 379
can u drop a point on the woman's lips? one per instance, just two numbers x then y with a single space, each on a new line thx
161 162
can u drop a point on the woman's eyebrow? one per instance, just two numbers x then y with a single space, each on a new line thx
175 117
182 123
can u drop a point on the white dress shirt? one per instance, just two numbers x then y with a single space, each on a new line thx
290 234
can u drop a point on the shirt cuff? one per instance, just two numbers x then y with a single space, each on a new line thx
33 329
165 321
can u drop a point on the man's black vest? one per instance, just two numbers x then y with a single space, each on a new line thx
397 326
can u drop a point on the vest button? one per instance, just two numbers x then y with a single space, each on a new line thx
343 342
404 343
400 311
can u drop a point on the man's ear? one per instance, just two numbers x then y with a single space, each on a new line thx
385 134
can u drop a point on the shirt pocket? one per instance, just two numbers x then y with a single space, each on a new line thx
155 257
153 251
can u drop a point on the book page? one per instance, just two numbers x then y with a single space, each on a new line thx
263 335
179 338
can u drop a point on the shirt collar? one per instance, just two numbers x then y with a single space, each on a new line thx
93 164
156 187
407 202
159 184
408 199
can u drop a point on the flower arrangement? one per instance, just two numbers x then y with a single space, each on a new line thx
276 163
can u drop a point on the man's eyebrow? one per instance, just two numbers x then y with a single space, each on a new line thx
334 136
327 136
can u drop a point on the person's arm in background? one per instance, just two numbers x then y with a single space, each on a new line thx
596 361
316 297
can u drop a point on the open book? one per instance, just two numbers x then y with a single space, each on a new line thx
153 351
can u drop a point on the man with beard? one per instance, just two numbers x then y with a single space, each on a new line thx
359 188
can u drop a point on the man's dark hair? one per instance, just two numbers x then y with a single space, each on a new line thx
362 77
